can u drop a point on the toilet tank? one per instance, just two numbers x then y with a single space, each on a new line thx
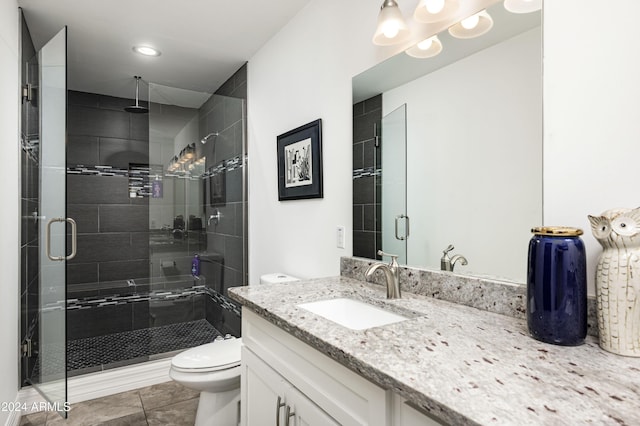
277 277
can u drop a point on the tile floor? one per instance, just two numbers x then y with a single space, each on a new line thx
158 405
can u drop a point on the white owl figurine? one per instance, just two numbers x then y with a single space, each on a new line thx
618 280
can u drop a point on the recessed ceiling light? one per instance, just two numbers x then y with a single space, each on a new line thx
146 50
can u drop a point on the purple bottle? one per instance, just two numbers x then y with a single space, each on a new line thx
195 266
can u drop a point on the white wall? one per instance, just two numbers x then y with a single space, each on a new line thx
474 138
302 74
9 211
591 113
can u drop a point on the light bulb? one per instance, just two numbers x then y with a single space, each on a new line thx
434 6
390 29
146 50
425 44
471 22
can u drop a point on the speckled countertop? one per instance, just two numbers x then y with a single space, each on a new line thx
464 365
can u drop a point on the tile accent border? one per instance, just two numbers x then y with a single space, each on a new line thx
487 294
366 172
119 299
225 166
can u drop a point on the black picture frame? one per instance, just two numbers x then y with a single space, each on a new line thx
300 162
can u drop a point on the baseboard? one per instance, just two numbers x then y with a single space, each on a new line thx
14 418
98 385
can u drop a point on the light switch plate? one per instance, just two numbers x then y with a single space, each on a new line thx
340 237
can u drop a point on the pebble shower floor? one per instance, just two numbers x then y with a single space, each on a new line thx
129 345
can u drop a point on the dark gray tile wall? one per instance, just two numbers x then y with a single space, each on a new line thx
29 240
226 240
367 237
236 85
112 227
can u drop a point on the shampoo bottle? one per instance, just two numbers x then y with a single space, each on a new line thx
195 266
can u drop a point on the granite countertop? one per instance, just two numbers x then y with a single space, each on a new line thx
464 365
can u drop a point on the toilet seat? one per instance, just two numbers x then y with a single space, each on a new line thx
216 356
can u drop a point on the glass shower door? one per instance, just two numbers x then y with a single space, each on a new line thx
197 235
395 222
50 375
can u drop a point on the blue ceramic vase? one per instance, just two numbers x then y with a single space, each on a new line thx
557 286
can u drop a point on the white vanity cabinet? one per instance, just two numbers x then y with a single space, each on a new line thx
280 373
271 400
406 415
318 389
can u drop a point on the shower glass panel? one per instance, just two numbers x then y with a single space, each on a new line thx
197 216
395 223
49 375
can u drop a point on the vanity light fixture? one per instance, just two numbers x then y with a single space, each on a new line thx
429 11
146 50
392 28
426 48
472 26
522 6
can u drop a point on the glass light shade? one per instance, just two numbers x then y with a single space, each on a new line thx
485 23
426 48
422 13
391 27
522 6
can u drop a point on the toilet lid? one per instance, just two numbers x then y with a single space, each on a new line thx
212 356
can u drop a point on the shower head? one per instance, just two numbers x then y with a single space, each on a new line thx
137 108
209 137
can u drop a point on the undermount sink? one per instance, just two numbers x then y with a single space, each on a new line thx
352 314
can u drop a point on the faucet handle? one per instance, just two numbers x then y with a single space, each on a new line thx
394 257
448 249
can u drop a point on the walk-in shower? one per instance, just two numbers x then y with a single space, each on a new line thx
131 295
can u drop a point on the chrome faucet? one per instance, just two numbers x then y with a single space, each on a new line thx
391 274
448 263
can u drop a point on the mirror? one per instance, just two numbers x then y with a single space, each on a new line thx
473 150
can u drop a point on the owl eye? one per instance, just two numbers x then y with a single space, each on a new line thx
625 226
604 228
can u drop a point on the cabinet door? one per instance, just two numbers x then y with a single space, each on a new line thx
303 412
406 415
263 393
268 399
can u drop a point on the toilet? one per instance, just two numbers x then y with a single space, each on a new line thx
214 370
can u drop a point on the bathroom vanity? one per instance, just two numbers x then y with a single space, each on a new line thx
445 363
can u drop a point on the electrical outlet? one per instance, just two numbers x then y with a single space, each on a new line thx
340 237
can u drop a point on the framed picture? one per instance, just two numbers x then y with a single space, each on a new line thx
300 162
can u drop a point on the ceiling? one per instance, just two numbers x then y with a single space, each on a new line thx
203 42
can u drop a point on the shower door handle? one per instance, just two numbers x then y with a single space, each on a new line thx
74 239
398 237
